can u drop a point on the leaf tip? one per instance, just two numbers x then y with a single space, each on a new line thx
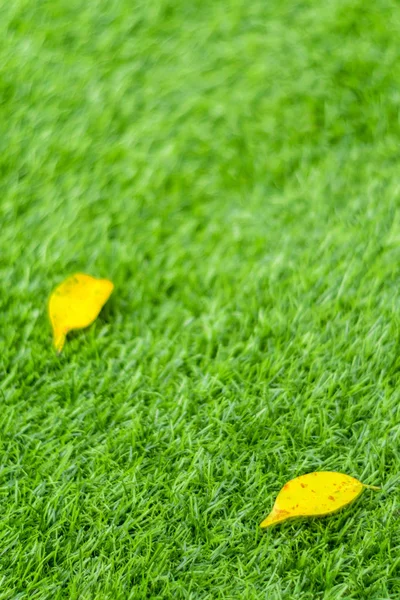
274 518
266 523
59 341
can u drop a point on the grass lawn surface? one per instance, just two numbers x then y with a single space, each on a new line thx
234 169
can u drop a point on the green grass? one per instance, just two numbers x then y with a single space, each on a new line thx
234 169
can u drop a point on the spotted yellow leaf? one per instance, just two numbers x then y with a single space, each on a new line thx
314 495
76 303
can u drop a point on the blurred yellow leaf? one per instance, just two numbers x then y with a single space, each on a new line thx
76 303
313 495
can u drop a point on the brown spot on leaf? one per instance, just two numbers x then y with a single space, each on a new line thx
331 498
303 485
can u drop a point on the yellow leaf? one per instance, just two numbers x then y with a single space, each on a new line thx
76 303
314 495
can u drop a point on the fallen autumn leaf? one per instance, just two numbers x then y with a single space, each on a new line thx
75 304
315 494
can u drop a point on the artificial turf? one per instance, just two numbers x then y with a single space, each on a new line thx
234 169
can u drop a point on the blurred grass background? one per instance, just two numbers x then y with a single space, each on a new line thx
234 169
